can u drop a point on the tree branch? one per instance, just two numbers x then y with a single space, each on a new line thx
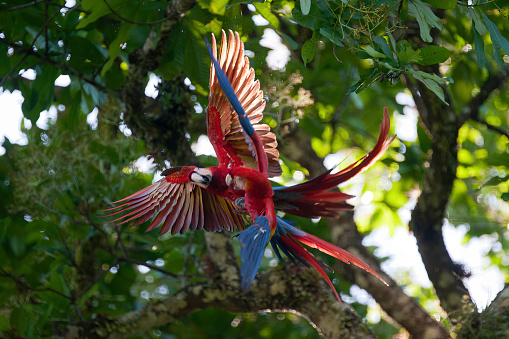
392 299
441 122
286 289
429 212
344 234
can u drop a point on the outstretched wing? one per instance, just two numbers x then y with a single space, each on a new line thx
223 126
179 205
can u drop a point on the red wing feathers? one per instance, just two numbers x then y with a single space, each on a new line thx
177 205
224 129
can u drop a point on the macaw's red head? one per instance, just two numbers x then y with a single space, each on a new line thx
214 179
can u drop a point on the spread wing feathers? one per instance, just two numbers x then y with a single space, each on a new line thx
179 207
224 129
313 198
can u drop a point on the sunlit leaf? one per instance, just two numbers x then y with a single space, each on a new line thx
425 17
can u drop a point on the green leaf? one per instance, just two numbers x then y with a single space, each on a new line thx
391 38
303 20
365 81
115 46
431 81
97 9
477 21
376 55
424 139
425 17
505 196
499 42
496 180
305 6
433 55
218 6
308 51
479 47
406 53
385 47
442 4
265 12
333 35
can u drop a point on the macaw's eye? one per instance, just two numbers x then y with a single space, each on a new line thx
206 179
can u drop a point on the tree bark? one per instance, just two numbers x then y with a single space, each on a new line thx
288 288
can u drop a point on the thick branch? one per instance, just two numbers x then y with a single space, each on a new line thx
441 122
392 299
344 233
222 258
429 212
288 289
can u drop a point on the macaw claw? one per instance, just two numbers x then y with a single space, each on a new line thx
254 240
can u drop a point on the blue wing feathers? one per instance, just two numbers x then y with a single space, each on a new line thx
230 94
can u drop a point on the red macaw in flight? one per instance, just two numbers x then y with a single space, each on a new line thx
195 198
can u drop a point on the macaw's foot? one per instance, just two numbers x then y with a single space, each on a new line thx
254 240
240 203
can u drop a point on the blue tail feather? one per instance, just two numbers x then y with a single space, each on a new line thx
284 229
230 94
254 240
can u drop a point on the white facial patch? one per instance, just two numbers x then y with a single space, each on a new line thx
228 180
201 177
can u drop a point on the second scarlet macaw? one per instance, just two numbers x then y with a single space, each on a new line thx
196 198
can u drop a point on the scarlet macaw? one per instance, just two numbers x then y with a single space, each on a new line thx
190 197
258 194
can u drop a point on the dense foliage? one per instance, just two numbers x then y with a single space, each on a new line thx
62 264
